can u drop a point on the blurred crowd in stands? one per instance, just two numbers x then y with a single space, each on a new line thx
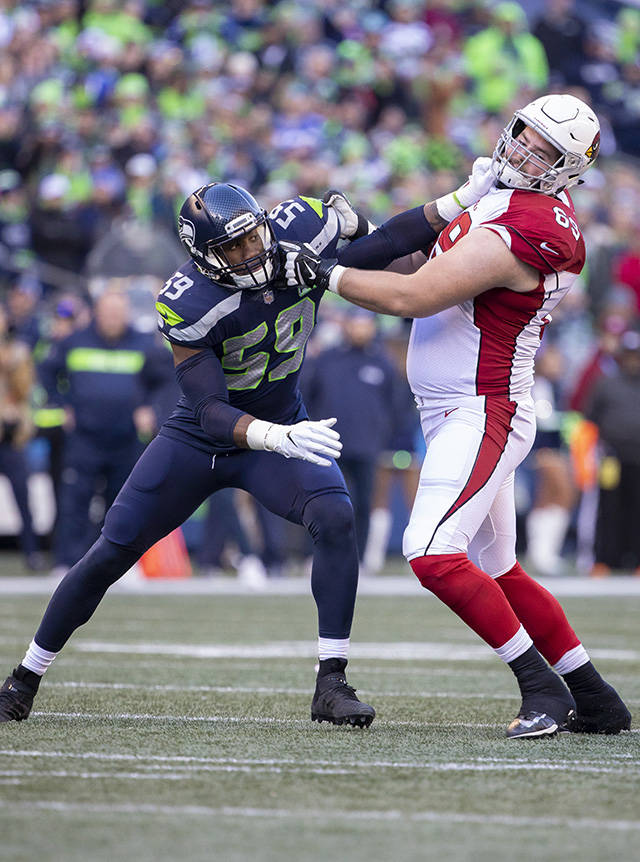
111 113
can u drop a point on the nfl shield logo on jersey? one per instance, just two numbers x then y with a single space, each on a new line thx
267 296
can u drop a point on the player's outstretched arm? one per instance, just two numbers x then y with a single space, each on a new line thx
476 263
408 232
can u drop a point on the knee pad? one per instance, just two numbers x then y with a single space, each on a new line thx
431 570
105 554
413 542
329 518
420 537
122 527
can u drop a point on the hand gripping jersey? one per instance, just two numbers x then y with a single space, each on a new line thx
487 345
259 336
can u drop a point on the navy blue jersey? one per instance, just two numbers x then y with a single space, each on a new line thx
259 336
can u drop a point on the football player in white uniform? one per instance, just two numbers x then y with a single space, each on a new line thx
496 272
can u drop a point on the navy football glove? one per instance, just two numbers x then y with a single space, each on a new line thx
353 224
304 269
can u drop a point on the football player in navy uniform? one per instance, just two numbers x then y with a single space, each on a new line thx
238 343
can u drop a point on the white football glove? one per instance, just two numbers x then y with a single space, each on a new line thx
305 440
480 181
353 225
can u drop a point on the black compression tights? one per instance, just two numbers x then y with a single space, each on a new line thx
80 592
334 574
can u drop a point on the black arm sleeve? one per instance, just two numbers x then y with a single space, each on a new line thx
201 379
403 234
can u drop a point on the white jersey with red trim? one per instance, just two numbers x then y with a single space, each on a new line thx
487 345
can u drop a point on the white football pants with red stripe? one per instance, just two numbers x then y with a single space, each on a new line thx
465 500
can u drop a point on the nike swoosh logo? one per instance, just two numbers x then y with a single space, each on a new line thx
446 412
545 247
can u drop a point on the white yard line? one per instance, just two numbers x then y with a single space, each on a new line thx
379 651
184 773
247 689
181 762
291 649
187 773
385 585
115 809
233 719
242 719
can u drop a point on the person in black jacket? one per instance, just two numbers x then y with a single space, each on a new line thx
615 408
563 34
108 377
62 232
356 383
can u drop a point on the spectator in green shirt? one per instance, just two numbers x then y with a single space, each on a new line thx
504 58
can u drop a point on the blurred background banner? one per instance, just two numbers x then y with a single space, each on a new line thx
111 113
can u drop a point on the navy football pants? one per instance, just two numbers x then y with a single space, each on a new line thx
168 483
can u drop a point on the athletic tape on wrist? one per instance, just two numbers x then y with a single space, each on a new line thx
257 431
449 207
334 278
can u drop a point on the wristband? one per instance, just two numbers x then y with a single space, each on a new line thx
257 431
449 206
334 278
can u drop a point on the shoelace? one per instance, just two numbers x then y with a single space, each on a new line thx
339 688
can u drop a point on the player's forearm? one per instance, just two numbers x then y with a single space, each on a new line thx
201 379
240 431
382 292
477 263
404 234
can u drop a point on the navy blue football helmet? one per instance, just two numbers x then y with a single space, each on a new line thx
211 219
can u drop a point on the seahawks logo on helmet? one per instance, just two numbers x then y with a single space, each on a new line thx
187 233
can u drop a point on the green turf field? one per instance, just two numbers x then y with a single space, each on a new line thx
176 727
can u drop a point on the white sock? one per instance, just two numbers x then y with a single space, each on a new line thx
546 529
515 646
378 540
37 659
333 648
572 659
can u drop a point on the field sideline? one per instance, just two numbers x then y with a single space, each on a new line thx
177 726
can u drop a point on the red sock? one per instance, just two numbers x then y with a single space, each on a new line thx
470 593
540 612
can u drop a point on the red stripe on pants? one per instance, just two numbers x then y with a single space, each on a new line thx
499 413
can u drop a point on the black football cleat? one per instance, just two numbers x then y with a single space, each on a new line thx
601 712
335 700
547 704
543 716
16 699
535 725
